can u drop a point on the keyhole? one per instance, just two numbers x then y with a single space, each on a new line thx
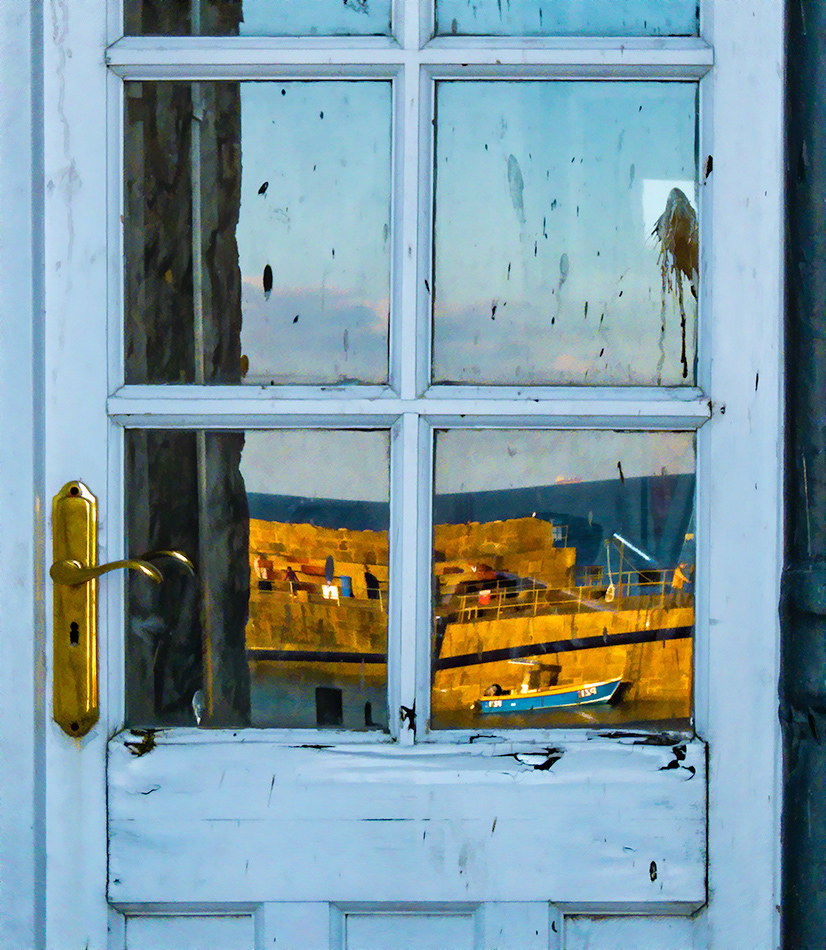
74 634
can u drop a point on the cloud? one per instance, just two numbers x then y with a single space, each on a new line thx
617 341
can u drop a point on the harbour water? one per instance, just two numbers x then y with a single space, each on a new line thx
646 715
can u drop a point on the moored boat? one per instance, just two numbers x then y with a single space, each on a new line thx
555 697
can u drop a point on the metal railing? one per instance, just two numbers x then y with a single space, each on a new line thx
632 589
314 594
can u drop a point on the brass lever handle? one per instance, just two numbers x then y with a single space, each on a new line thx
75 573
72 572
177 556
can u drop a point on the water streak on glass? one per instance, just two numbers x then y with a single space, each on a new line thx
566 234
568 17
285 622
293 185
564 568
256 17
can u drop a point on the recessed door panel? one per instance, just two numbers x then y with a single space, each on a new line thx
190 932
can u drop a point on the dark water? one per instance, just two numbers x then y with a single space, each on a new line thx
644 714
288 699
311 699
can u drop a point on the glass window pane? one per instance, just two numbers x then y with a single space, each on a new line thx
285 621
256 17
568 17
287 278
563 578
566 247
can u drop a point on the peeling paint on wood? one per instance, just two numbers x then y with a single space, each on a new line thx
145 743
420 805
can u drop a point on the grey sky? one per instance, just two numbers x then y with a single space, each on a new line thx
315 17
555 212
562 17
473 460
354 466
546 195
346 465
323 226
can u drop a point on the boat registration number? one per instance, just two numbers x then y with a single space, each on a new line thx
587 691
494 703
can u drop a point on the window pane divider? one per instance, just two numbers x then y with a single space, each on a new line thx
406 338
409 604
222 407
262 58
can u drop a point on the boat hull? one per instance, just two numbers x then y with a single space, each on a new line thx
588 694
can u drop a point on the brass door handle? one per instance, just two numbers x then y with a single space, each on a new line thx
73 573
178 556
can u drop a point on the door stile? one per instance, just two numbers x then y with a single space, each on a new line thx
737 708
22 548
76 267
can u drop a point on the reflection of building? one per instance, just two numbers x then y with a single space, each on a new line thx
508 595
314 645
293 618
510 598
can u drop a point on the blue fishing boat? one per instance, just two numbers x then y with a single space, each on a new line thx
554 697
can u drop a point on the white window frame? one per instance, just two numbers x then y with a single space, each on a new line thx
740 389
409 404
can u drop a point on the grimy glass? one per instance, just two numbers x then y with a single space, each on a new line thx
285 621
257 235
563 573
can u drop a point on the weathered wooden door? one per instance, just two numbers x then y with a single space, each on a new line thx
443 341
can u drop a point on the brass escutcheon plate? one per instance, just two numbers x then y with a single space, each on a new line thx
75 673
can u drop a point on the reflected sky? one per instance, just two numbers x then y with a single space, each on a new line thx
568 17
259 17
315 17
546 269
469 17
315 210
481 460
373 17
354 466
322 463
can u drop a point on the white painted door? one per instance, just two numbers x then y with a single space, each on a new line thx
431 831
